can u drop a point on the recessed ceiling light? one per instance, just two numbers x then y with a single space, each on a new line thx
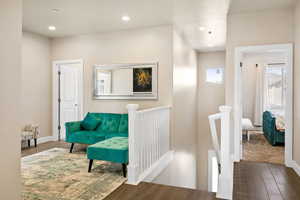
202 28
55 10
125 18
52 28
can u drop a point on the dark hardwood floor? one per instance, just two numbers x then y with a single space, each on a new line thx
252 181
257 181
149 191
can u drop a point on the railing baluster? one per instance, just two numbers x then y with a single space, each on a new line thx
148 139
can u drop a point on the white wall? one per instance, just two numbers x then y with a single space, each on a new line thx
131 46
210 97
182 172
36 96
10 87
255 28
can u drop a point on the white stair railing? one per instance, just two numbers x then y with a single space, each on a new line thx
149 142
225 184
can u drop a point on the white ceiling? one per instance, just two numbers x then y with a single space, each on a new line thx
189 15
238 6
89 16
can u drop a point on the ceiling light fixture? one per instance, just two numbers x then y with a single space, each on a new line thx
52 28
202 28
125 18
55 10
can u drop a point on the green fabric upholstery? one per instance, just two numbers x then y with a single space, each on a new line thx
109 126
72 127
110 123
90 122
113 150
269 128
86 137
111 135
123 127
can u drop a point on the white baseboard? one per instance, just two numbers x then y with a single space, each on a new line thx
46 139
296 167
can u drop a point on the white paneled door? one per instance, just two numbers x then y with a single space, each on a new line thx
69 95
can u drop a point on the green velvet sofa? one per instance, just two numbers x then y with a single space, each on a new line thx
269 128
96 127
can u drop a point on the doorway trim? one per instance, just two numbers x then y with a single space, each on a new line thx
288 48
55 80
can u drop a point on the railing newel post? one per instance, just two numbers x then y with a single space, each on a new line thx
132 166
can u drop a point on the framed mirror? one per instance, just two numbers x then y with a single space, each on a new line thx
126 81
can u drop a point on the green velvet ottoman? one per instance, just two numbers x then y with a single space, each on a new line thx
114 150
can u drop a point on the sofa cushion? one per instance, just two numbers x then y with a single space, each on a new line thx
90 122
114 150
86 137
118 134
110 123
123 127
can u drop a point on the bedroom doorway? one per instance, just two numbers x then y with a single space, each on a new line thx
263 103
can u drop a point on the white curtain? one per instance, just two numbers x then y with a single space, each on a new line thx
259 96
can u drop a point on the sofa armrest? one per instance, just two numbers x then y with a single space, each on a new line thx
72 127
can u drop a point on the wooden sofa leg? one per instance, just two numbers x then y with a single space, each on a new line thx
90 166
72 146
28 143
124 166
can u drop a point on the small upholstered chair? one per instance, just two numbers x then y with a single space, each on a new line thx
30 132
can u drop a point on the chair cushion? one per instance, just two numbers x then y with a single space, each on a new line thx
90 122
247 124
123 127
110 123
27 135
113 150
86 137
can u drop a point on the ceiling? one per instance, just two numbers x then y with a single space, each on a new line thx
238 6
75 17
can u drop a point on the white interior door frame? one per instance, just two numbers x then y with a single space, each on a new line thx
55 104
288 48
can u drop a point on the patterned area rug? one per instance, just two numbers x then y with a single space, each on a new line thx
258 149
58 175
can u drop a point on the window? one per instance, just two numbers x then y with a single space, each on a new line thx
275 88
215 75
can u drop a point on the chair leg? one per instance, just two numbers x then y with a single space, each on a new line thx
248 136
72 146
28 143
124 166
90 166
35 142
